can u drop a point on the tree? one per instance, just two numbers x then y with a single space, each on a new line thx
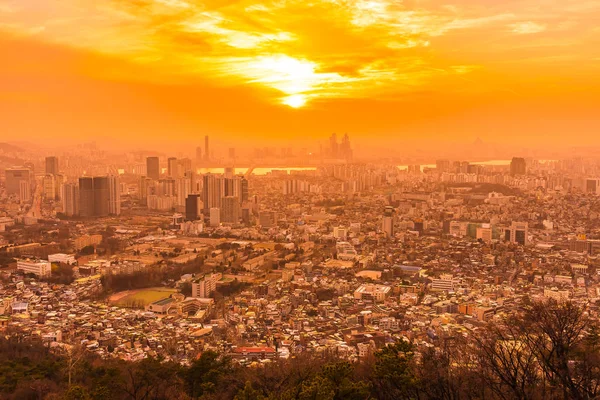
555 333
335 381
205 374
393 372
249 393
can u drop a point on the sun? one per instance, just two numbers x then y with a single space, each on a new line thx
295 101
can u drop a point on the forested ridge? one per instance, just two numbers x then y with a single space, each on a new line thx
545 351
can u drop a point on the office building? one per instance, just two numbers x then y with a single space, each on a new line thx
518 166
152 167
52 165
14 176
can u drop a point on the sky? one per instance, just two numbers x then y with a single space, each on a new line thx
137 72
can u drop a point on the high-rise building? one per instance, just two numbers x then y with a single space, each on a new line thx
345 148
143 190
172 167
215 216
52 165
51 185
94 196
70 198
212 191
152 167
183 188
86 197
206 149
14 176
101 196
230 210
192 207
388 221
166 187
442 165
518 166
114 195
185 165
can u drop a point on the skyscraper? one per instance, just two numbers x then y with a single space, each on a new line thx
172 167
114 195
183 188
101 196
212 192
52 165
518 166
70 196
143 190
94 196
152 167
86 197
206 149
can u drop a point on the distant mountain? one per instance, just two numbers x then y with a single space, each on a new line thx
10 148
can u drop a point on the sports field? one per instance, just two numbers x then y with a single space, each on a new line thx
140 297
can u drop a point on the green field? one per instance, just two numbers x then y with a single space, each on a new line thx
143 297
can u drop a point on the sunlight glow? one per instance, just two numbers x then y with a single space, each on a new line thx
295 101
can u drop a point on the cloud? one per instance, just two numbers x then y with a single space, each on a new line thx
317 49
527 28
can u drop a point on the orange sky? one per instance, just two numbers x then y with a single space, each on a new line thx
151 70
